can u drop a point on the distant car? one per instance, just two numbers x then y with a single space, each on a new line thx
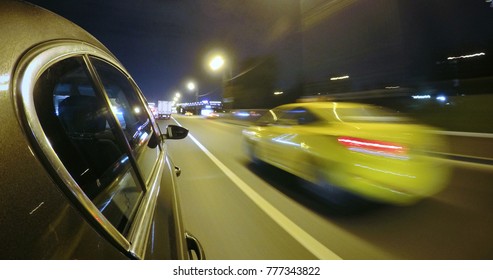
212 115
350 148
85 169
187 113
152 107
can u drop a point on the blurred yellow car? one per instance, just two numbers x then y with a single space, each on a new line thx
353 148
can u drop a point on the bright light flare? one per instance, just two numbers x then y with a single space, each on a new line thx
441 98
216 63
422 96
466 56
339 78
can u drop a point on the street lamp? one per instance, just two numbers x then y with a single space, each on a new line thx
177 97
191 86
216 62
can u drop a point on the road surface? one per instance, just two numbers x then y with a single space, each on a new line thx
240 211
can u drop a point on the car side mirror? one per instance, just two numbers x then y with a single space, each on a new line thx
175 132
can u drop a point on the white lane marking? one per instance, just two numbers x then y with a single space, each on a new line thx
305 239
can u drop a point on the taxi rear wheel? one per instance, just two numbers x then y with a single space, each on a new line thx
337 197
251 150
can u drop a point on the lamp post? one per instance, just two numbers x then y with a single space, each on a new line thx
192 86
176 98
218 63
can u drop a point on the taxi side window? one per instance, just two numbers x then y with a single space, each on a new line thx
270 117
297 116
78 123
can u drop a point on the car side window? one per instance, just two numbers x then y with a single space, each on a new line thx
78 123
131 114
297 116
270 117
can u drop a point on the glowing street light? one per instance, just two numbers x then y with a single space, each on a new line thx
221 64
176 97
216 63
339 78
466 56
192 86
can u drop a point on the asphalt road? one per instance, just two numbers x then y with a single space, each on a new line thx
240 211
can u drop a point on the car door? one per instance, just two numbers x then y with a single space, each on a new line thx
154 239
289 136
104 150
163 237
282 133
266 148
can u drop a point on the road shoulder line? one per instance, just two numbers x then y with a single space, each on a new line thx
305 239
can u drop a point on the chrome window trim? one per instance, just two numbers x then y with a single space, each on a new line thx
32 65
140 229
101 89
135 152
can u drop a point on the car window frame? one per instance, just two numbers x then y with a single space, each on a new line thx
285 119
152 140
28 70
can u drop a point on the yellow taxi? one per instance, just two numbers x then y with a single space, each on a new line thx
360 149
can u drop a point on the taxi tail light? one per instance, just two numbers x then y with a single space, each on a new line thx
372 146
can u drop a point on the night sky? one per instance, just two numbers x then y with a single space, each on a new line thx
378 43
381 43
165 43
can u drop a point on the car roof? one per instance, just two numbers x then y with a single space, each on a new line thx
323 105
23 27
21 30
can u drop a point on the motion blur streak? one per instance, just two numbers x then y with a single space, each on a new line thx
310 243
